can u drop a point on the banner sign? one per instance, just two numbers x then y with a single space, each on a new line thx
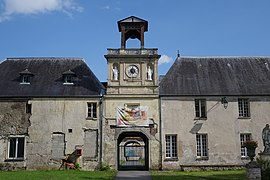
135 116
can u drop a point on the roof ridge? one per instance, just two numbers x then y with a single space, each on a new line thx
45 58
197 57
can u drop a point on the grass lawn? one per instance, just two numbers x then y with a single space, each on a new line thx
201 175
56 175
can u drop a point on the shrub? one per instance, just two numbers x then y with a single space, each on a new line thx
265 167
77 166
104 167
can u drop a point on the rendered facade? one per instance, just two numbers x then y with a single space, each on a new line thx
222 102
55 110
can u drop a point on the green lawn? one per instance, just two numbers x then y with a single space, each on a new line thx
106 175
201 175
56 175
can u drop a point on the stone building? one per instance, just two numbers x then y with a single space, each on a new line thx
55 109
209 107
50 107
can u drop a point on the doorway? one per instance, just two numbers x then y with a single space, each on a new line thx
132 150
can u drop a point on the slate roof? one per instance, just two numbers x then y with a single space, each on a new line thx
205 76
133 19
47 78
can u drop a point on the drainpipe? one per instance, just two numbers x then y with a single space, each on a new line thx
100 128
160 132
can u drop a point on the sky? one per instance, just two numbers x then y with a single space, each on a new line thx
86 28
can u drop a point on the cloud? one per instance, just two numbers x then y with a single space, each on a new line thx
164 59
29 7
106 7
112 8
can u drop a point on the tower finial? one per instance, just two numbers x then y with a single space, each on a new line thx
178 53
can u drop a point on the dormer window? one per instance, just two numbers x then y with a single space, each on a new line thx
25 76
68 77
25 79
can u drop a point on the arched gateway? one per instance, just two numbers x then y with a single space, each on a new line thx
132 151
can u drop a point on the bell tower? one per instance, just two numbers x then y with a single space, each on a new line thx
132 27
132 70
131 109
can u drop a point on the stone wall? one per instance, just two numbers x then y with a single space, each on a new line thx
49 118
13 118
111 132
68 117
14 121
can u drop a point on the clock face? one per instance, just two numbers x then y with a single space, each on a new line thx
132 71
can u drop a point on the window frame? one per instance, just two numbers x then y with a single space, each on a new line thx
16 148
68 79
200 109
92 111
25 79
202 147
171 146
243 138
243 108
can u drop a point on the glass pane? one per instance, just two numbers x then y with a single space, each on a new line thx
167 146
89 109
29 108
94 110
204 145
20 150
201 145
243 138
12 147
203 108
197 108
240 107
26 79
68 79
171 146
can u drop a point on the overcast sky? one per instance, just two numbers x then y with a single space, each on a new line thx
86 28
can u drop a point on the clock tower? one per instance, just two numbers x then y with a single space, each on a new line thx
132 70
131 110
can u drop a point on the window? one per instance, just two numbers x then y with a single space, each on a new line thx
92 110
68 77
25 76
202 146
25 79
244 138
16 148
200 108
28 108
243 106
58 145
90 143
171 146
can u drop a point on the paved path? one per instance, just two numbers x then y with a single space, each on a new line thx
132 175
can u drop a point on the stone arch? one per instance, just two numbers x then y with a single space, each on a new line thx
129 156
